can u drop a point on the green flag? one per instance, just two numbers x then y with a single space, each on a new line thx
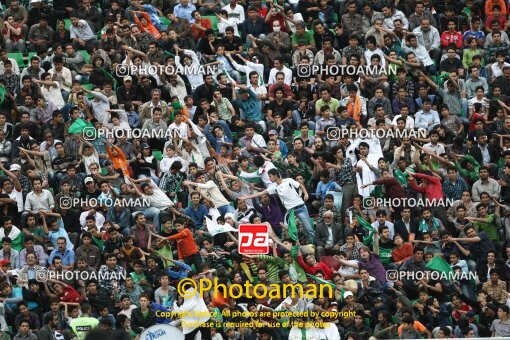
79 125
440 265
292 226
319 280
17 243
177 188
366 225
98 242
166 253
3 91
110 77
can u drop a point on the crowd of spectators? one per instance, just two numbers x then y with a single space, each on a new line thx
202 120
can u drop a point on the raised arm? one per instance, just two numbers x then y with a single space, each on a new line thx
13 177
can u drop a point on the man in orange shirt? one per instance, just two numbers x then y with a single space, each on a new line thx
489 6
187 249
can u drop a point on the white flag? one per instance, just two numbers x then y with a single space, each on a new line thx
214 228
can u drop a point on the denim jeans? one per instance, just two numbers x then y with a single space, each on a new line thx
302 214
296 118
226 209
153 214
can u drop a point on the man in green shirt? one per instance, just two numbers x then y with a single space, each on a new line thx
468 167
301 36
485 222
84 324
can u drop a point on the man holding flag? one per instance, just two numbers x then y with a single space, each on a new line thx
286 190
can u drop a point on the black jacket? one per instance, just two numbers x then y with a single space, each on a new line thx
322 234
400 228
482 269
139 323
476 152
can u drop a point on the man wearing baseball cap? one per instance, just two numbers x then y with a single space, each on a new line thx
91 190
128 92
12 189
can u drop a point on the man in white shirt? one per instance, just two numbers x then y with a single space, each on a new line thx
262 171
431 38
51 90
155 200
178 130
419 50
280 67
81 34
62 75
235 11
15 66
391 14
39 199
286 190
212 193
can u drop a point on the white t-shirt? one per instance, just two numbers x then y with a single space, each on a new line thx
287 190
211 191
18 196
181 130
158 199
53 95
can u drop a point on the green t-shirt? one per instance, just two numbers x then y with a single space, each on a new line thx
306 39
82 325
137 278
490 228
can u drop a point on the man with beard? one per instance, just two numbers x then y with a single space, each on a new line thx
112 45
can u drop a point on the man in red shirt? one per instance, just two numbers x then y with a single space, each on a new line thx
496 15
63 291
432 191
311 266
451 36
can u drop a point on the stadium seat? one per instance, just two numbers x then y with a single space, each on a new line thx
67 23
18 56
30 55
104 171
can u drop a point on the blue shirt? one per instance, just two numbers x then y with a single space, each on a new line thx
181 274
185 12
67 256
250 107
198 215
133 119
61 232
422 119
323 188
